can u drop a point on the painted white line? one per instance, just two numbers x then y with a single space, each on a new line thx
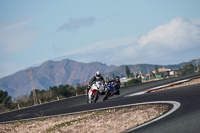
22 115
184 80
175 104
135 94
158 87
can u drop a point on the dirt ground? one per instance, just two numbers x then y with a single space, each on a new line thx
109 121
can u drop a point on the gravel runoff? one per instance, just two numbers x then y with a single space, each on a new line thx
112 120
105 121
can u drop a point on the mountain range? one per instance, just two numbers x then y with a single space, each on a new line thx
54 73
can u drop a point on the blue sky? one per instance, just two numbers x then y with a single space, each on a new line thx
113 32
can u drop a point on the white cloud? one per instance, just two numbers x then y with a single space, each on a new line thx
14 36
100 51
169 43
166 43
176 34
105 45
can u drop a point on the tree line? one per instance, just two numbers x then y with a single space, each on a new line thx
42 96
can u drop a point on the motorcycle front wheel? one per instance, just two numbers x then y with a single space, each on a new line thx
96 96
106 95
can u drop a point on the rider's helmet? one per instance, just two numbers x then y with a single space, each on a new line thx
98 74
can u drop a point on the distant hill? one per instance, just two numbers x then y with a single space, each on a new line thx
54 73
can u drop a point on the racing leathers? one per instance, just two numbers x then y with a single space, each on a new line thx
117 84
92 81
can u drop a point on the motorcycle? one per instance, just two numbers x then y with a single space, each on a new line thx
94 92
109 90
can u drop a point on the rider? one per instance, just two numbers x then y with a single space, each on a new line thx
97 77
117 84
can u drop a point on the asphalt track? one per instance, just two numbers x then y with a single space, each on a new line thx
185 119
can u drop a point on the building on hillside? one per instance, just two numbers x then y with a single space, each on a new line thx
166 72
173 72
161 70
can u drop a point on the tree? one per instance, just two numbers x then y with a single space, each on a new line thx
137 75
187 69
81 89
132 75
156 70
5 99
3 95
113 76
63 90
128 72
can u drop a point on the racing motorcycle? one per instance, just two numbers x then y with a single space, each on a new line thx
109 90
94 92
